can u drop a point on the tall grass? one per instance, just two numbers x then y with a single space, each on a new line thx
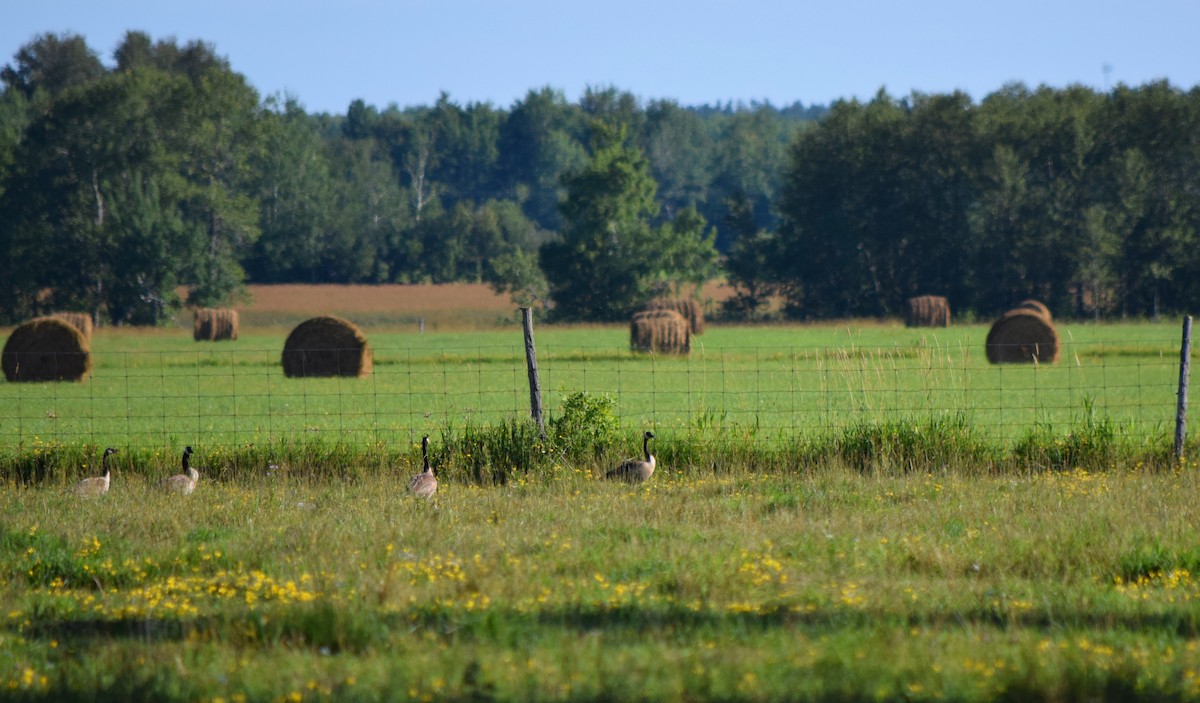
585 435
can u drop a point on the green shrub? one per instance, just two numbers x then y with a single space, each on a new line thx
586 428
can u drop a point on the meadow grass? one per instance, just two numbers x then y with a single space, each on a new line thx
821 584
893 545
861 388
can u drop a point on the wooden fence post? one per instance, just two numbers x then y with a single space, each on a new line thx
535 384
1185 358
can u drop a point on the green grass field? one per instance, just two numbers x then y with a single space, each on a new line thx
159 390
840 513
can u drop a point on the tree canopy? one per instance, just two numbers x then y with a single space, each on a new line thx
1088 202
610 258
123 183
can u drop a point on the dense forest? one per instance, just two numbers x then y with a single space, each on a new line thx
1087 201
123 183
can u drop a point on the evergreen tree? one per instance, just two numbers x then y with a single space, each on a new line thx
610 259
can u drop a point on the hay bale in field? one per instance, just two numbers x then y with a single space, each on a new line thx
928 311
326 346
1021 336
215 324
46 349
664 331
1036 306
81 320
689 308
202 324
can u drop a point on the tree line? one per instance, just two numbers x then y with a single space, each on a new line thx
1087 201
121 184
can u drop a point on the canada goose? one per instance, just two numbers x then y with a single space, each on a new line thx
424 484
185 482
636 470
97 485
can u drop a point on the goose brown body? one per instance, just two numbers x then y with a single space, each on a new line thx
424 484
97 485
185 482
636 470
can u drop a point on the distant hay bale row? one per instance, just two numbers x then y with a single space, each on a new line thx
326 346
80 320
662 331
214 325
1023 335
46 349
689 308
928 311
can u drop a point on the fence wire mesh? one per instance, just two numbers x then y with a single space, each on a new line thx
238 396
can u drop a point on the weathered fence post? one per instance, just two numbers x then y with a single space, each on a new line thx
535 384
1185 357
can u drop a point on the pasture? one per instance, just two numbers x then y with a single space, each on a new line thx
841 512
771 387
823 585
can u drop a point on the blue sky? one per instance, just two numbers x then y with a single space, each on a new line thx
327 54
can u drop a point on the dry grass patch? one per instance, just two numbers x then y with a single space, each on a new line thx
436 307
380 298
442 306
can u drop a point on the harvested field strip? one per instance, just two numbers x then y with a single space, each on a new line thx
380 298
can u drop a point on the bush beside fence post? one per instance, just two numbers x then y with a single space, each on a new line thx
535 384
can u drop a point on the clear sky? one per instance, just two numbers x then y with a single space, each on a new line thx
406 52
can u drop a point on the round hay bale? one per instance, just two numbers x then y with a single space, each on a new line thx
326 346
689 308
1036 306
202 325
1022 336
81 320
47 349
227 325
215 324
928 311
662 331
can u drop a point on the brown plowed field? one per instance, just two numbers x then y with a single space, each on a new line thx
438 306
444 306
419 298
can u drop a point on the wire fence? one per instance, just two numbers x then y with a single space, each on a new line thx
237 396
